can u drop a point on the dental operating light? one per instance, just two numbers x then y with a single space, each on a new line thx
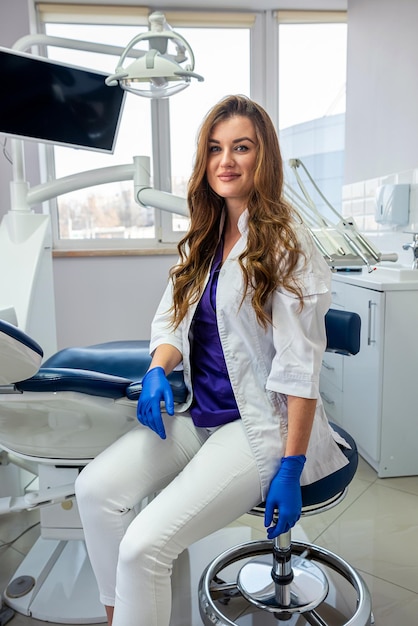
157 73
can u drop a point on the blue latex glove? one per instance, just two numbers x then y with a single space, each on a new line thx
155 389
285 495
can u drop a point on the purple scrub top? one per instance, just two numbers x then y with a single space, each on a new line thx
213 399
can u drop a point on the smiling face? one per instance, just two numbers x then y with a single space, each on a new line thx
232 155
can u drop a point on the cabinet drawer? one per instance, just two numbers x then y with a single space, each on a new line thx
332 369
332 401
338 294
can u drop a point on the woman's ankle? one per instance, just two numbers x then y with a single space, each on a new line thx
109 614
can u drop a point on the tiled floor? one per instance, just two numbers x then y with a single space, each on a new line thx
375 528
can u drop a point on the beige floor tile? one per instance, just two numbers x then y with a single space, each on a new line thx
378 534
13 524
365 471
392 605
409 484
311 527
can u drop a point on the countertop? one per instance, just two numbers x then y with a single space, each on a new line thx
382 278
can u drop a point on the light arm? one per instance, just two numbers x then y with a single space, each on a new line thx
24 198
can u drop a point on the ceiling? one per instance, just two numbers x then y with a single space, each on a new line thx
232 5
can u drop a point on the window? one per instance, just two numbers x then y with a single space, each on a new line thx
107 216
232 44
312 75
106 213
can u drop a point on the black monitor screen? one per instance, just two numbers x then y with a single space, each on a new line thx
56 103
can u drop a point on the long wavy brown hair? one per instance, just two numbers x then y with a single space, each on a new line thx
272 249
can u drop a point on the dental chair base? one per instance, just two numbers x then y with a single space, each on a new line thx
55 583
56 418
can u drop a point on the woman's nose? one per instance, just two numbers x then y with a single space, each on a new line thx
227 158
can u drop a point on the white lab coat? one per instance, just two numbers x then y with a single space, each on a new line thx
266 365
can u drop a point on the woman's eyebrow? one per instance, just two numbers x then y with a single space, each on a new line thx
243 139
234 140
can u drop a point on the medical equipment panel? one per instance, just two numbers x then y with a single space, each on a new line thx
55 103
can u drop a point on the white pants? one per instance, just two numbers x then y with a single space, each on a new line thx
205 481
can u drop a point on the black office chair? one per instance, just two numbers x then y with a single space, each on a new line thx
290 580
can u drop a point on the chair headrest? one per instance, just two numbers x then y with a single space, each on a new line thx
20 355
343 331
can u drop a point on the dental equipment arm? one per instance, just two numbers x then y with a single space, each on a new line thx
341 244
37 499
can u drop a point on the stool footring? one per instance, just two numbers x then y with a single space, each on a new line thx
257 588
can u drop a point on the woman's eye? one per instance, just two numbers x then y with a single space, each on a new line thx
241 148
214 148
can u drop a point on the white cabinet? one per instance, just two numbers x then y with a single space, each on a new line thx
374 394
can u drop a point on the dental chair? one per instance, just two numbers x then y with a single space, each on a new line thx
54 419
58 415
294 582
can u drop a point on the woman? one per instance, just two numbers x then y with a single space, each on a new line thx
243 314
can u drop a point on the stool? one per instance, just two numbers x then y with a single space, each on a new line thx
284 578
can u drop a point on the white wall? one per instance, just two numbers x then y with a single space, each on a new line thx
381 119
107 298
382 89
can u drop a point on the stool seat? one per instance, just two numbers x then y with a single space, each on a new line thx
329 487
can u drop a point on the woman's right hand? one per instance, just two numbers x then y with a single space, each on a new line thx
155 389
284 496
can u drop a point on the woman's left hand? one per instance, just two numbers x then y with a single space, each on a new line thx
284 494
155 389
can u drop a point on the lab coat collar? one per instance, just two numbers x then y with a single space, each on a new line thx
242 222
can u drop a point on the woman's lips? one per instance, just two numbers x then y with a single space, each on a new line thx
228 177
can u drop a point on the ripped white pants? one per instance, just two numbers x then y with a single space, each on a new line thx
204 482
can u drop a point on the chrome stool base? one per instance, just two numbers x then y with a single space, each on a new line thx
215 593
305 592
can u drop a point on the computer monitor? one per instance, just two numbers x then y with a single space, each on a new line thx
52 102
